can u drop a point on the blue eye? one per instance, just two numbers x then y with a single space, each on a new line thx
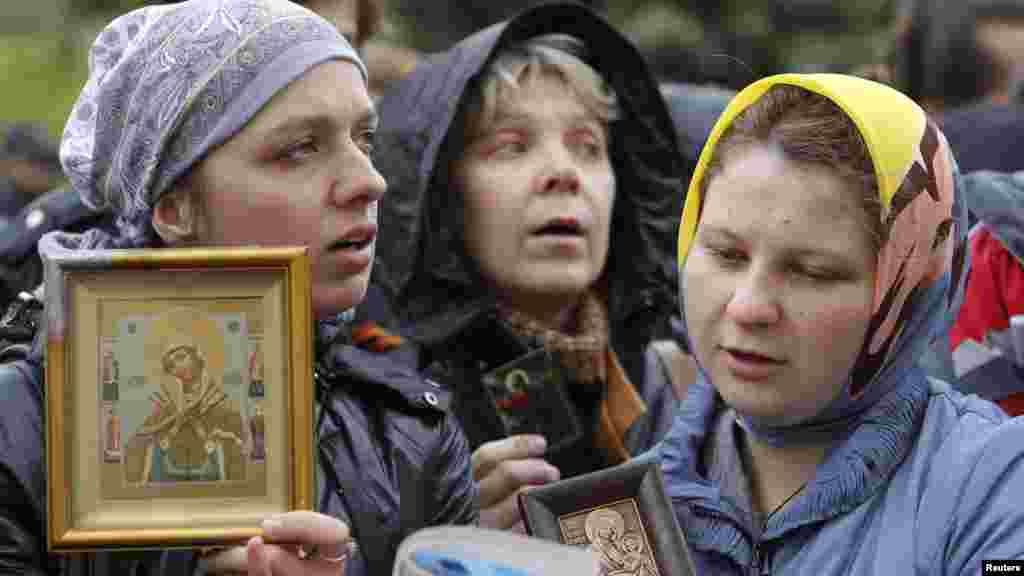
508 147
588 144
300 150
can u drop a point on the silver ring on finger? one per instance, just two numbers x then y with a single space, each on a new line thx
350 549
315 554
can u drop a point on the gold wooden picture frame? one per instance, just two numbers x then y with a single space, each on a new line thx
178 395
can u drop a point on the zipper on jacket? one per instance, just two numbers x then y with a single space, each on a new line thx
758 551
322 378
757 556
756 566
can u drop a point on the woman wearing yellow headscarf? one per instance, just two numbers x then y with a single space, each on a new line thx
821 249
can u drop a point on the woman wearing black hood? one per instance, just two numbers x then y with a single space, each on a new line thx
534 174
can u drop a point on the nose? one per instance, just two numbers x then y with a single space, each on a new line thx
356 182
561 174
754 300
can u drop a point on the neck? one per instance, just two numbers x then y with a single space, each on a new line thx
778 472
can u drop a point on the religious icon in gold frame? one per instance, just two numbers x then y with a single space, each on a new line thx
179 396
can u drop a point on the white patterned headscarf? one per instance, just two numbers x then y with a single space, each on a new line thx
169 83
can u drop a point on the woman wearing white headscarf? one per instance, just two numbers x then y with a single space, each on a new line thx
246 122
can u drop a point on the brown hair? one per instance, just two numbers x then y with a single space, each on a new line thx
514 68
369 20
809 129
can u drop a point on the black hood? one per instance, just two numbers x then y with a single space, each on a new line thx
423 267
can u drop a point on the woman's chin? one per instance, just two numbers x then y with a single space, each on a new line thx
331 299
761 407
768 414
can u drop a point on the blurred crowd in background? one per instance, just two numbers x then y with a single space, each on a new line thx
962 61
959 59
944 53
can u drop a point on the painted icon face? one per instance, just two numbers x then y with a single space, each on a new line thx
183 364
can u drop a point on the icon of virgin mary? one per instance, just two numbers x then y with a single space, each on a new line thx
194 433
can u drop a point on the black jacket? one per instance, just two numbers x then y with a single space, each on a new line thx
390 461
60 209
694 109
985 137
437 296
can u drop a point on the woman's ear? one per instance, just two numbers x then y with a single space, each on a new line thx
175 217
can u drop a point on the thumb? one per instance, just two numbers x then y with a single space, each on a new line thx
256 557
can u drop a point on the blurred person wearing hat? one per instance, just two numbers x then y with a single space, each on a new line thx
360 22
29 166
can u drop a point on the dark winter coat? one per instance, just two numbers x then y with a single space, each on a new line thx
60 209
985 137
390 461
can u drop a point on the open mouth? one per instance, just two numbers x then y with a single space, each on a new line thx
752 357
566 227
355 240
349 245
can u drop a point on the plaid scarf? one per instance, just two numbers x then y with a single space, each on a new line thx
583 352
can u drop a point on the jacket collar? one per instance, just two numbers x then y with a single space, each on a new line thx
448 323
366 372
857 468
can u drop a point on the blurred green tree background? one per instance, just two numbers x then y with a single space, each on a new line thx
43 55
44 43
730 42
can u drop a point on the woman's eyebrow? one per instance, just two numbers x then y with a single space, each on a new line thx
587 119
499 122
504 116
820 252
719 232
296 124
